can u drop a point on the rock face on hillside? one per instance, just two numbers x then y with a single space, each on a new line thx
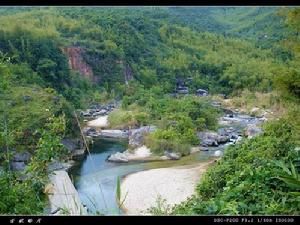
77 63
128 73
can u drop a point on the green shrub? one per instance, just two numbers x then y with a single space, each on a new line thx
159 145
19 197
122 119
25 196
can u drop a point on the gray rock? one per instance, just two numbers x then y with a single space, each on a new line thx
86 113
21 157
212 138
173 155
216 104
136 136
252 130
60 166
118 157
54 166
78 154
89 130
164 157
96 114
182 90
201 92
103 112
111 134
222 139
70 144
202 148
17 166
230 133
218 153
232 140
194 150
27 98
234 136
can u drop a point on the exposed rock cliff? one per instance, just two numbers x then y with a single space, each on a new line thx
77 63
127 73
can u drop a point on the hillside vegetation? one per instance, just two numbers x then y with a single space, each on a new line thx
260 175
137 55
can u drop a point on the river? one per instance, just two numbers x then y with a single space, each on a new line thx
96 179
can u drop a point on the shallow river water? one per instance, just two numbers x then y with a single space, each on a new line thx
96 179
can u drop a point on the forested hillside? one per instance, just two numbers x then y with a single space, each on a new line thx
56 60
142 44
263 25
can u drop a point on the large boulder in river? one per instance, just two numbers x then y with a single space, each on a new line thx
136 136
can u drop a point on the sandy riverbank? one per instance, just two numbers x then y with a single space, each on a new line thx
100 122
174 185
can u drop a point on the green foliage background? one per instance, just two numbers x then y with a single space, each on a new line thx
224 50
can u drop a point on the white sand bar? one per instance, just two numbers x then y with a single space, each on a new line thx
63 197
100 122
174 185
